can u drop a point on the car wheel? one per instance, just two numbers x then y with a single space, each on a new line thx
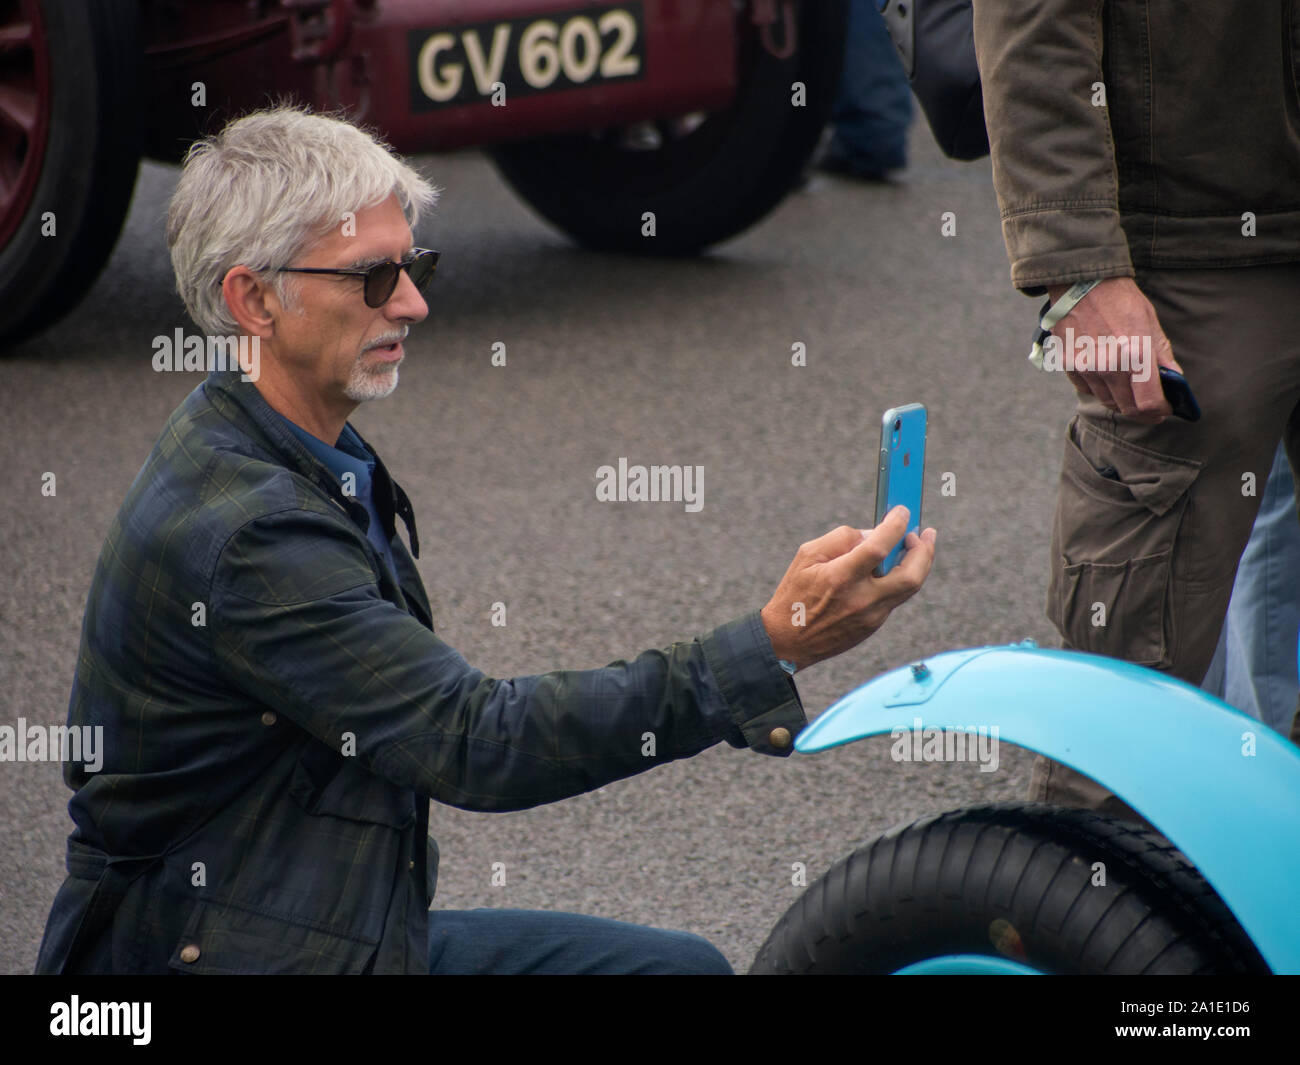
704 177
69 150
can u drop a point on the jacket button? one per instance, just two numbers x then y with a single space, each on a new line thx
268 718
779 738
189 954
411 866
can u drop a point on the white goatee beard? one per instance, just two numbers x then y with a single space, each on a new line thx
365 385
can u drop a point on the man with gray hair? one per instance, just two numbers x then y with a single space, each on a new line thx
260 651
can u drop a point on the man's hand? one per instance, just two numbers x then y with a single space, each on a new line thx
1116 308
843 603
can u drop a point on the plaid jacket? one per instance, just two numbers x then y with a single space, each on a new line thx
277 711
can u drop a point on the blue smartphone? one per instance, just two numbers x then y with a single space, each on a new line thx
901 471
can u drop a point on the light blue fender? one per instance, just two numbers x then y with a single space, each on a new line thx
1222 786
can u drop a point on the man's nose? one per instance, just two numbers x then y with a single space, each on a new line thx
406 302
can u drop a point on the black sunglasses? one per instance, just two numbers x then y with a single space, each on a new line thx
381 279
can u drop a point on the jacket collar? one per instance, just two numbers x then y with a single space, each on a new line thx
234 396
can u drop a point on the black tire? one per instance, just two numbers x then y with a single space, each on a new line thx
1020 874
707 185
89 165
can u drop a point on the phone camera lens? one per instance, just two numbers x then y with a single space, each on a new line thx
898 424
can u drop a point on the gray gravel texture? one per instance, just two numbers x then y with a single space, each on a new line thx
683 361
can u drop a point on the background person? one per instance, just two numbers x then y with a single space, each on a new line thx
1254 665
873 107
1187 213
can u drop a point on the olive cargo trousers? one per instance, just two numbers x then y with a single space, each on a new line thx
1151 520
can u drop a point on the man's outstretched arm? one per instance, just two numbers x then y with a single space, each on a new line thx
298 624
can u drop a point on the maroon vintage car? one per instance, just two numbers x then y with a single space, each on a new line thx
703 112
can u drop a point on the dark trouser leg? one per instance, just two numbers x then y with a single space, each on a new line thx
538 942
873 108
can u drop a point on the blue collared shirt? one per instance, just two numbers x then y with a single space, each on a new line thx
350 456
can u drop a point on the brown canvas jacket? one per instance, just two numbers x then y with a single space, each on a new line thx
1196 145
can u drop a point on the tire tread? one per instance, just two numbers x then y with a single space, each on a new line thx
1029 864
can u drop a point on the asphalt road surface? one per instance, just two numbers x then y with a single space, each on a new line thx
671 362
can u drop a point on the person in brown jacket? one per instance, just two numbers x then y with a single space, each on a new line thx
1153 147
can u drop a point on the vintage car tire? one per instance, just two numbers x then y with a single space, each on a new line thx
1012 881
705 186
82 153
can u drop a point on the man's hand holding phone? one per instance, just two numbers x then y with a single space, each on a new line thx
843 603
1117 308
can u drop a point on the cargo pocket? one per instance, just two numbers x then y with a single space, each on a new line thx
1117 518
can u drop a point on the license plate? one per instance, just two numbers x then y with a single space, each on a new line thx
495 61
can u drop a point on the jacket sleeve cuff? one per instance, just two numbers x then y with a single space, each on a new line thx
1062 245
761 699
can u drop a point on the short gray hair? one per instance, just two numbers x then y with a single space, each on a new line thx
265 189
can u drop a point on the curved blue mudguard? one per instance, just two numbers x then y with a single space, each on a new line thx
1222 786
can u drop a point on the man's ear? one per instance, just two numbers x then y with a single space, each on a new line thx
252 302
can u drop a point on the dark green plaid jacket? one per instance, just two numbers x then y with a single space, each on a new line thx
277 710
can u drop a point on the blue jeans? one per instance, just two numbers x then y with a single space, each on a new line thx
873 107
538 942
1254 667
